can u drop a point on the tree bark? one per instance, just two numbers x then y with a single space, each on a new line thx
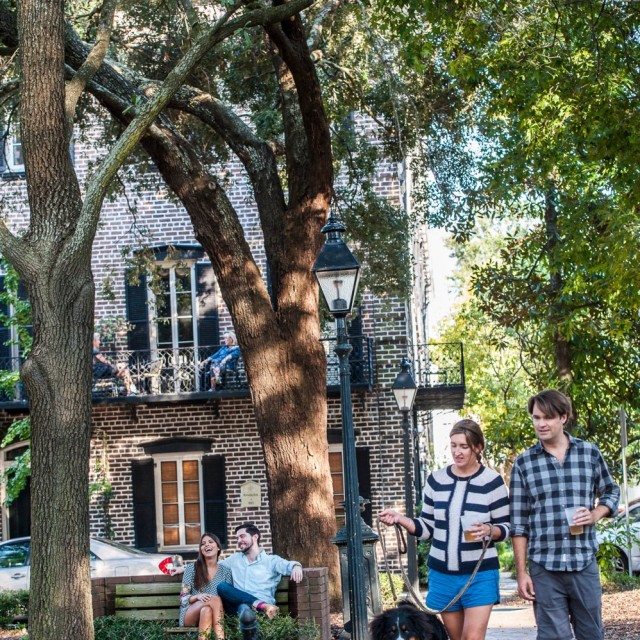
57 374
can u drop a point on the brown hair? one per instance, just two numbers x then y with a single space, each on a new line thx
552 403
200 579
472 432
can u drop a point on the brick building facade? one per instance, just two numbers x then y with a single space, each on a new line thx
177 456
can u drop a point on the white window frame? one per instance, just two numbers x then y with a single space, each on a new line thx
338 448
12 140
178 458
153 309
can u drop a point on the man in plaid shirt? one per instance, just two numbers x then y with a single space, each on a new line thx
558 472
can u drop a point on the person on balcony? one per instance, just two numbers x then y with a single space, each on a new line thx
224 359
103 368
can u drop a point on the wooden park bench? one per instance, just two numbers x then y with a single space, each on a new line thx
160 601
157 598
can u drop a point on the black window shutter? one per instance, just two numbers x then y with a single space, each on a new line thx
3 150
137 313
208 321
144 504
215 496
363 463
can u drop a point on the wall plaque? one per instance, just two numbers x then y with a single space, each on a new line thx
250 494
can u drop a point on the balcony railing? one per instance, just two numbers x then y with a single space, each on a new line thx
161 372
438 370
360 361
439 364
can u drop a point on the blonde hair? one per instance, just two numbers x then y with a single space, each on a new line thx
230 334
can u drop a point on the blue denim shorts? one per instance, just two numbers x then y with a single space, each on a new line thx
443 587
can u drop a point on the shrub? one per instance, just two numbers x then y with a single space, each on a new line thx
112 628
505 556
385 588
12 604
280 628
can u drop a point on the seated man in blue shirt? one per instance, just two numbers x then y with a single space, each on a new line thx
256 572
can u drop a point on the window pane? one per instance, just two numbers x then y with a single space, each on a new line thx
185 331
335 462
164 333
183 280
170 514
193 534
192 513
169 471
184 305
192 491
190 469
171 536
169 492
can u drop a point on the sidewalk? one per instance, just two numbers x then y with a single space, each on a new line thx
510 622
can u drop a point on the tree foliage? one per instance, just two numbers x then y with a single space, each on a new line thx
550 112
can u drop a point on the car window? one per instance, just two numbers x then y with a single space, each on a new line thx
634 514
14 554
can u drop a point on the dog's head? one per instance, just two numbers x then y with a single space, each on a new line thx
407 622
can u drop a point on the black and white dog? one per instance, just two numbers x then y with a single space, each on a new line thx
407 622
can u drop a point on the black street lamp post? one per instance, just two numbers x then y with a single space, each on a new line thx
404 389
337 272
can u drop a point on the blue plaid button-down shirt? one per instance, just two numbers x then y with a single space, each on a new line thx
540 490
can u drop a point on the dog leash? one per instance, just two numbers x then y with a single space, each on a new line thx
402 549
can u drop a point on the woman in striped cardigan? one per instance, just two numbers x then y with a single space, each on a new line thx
465 487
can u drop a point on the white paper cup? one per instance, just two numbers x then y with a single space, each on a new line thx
467 520
574 529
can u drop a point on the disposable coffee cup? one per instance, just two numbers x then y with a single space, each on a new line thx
574 529
467 520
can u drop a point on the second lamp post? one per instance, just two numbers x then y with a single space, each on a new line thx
404 389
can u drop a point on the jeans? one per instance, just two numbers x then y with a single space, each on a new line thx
232 597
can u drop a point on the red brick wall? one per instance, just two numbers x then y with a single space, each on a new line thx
122 431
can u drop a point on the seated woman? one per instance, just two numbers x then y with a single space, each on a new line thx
200 602
102 368
224 359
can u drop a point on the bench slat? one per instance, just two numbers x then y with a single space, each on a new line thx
149 614
147 601
153 588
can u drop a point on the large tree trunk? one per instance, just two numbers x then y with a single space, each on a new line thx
283 356
58 371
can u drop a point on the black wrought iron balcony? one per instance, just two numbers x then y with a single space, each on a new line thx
438 370
169 374
360 362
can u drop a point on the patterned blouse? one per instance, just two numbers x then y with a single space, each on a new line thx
188 588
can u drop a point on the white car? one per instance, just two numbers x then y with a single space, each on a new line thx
108 559
615 532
